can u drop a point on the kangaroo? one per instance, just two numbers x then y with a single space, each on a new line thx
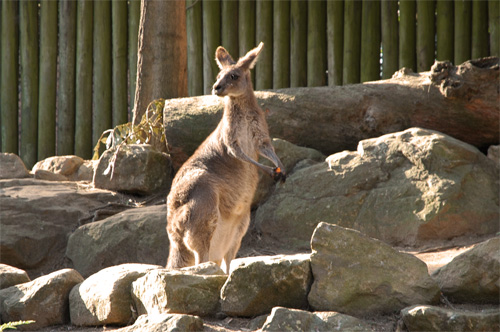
209 202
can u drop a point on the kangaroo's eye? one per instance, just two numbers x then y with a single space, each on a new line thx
234 77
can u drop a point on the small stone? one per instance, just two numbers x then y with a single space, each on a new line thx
10 276
165 322
12 167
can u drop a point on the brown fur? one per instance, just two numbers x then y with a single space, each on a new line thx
209 203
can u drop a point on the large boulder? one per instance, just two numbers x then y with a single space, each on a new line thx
44 300
357 275
165 322
37 216
413 188
105 298
261 283
182 292
12 167
134 168
283 319
10 276
430 318
473 276
134 236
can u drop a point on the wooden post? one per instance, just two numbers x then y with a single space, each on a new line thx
134 15
407 34
316 44
194 32
444 30
65 138
230 22
299 43
246 24
390 37
281 44
83 91
335 41
119 61
463 28
211 40
28 33
9 76
352 41
47 80
425 34
370 41
479 29
264 31
494 26
101 97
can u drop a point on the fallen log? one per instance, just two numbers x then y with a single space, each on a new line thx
461 101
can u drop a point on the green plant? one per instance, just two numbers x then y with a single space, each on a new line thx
13 325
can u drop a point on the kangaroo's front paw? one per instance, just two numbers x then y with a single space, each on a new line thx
279 175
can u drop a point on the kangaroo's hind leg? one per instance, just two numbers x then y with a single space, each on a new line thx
240 230
179 255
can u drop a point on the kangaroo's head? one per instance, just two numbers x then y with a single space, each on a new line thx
234 77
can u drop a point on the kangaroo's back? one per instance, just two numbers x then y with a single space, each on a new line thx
209 202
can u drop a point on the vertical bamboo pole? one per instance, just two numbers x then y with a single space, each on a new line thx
479 29
444 30
425 34
134 15
65 138
230 22
407 34
101 97
370 41
352 41
246 23
390 37
83 90
211 40
47 80
119 61
28 33
494 26
299 42
316 44
463 28
9 76
281 44
194 47
264 31
335 37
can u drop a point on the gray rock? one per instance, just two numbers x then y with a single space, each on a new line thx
42 174
431 318
473 276
283 319
10 276
494 154
165 322
37 216
208 269
357 275
164 291
137 169
104 298
134 236
412 188
44 300
63 165
12 166
255 287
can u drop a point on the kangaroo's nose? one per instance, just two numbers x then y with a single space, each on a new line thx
217 89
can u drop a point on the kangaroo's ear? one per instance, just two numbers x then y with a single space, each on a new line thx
223 58
249 60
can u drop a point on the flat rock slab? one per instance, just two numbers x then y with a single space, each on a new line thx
258 285
136 235
431 318
104 297
283 319
473 276
44 300
358 275
10 276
